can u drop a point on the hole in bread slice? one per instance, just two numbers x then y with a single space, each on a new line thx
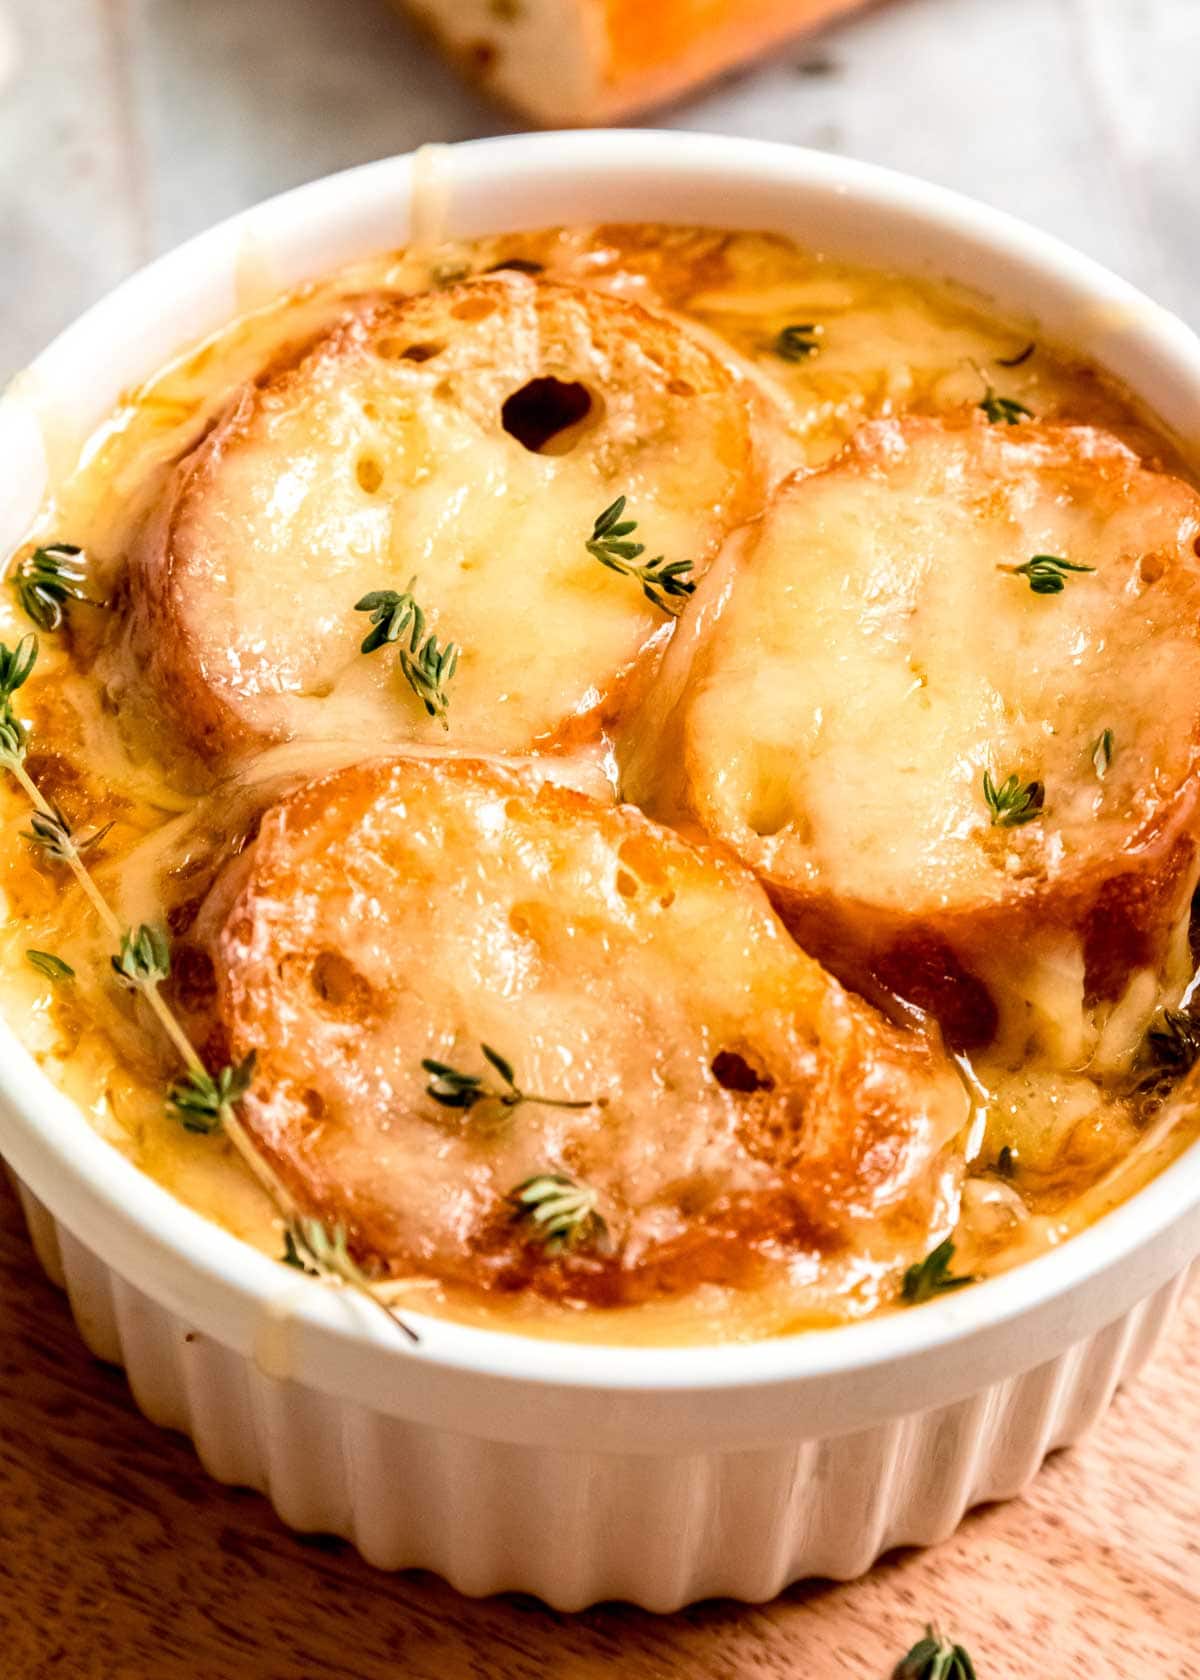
466 439
546 415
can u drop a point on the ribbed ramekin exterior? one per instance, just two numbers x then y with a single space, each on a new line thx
575 1528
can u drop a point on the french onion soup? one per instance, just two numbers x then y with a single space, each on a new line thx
632 784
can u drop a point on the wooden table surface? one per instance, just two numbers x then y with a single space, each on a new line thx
126 125
119 1560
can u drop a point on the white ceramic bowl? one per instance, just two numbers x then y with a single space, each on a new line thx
583 1473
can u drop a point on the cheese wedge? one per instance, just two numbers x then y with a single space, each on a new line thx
717 1101
946 602
459 445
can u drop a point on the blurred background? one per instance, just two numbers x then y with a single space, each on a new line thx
126 125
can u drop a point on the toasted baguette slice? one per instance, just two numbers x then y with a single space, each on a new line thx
839 701
734 1105
571 62
468 438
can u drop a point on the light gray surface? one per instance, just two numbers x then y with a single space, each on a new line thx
126 125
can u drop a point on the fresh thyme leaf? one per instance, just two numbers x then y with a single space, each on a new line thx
501 1064
144 958
930 1277
661 584
48 578
797 341
1004 409
1170 1050
15 667
935 1658
50 832
317 1247
518 265
391 614
13 735
1174 1040
1017 360
452 1088
321 1250
1047 573
16 664
561 1214
199 1097
426 668
1102 753
54 968
1014 802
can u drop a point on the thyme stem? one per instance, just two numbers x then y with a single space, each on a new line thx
333 1262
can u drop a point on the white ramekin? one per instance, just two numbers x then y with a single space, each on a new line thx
584 1473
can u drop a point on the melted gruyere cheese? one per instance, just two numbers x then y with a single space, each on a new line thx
1071 1144
871 658
452 446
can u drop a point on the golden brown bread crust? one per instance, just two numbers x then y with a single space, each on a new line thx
742 1107
574 62
841 696
390 448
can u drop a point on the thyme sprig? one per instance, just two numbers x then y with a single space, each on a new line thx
52 967
391 614
931 1276
12 740
322 1251
935 1658
560 1213
200 1099
144 958
452 1088
47 579
142 961
1004 409
664 586
1047 573
426 668
51 833
798 341
1014 802
1000 410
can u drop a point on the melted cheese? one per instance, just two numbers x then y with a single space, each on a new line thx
387 458
873 649
404 909
888 346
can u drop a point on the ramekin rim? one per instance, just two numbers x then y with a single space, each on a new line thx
114 1187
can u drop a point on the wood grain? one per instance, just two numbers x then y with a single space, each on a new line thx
119 1560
